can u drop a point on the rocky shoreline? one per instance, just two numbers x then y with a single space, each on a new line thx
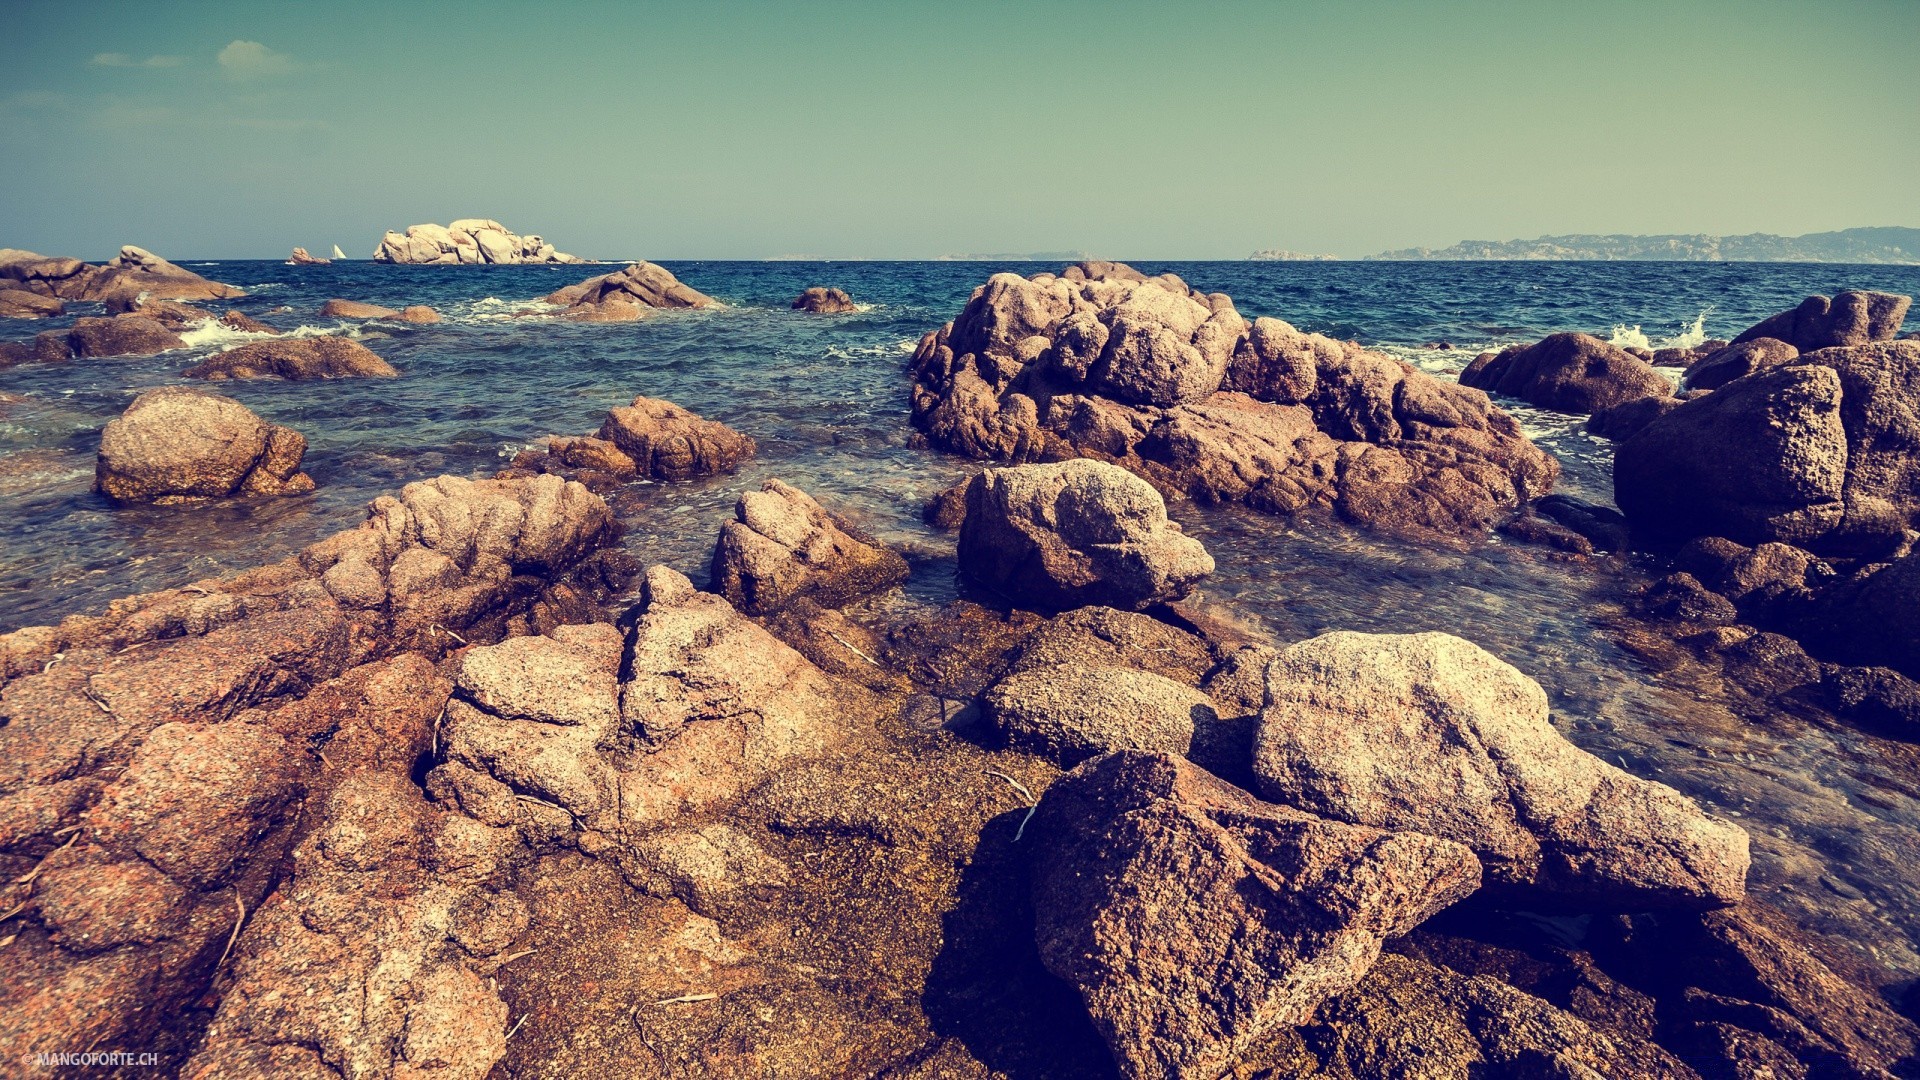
465 788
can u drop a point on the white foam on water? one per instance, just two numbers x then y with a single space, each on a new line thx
215 332
893 348
1631 337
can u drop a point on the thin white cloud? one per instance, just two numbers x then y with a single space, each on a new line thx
250 60
122 60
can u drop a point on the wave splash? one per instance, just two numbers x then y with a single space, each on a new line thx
1692 335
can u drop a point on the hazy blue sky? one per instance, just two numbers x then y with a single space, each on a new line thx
901 130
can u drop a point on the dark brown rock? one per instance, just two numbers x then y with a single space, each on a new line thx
824 301
1850 318
667 442
1194 919
178 444
354 309
325 357
1574 373
1626 420
124 336
627 294
1737 361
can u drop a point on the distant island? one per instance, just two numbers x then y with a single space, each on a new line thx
1024 256
1873 245
1283 255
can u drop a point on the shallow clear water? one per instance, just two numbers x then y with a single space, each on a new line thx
1835 814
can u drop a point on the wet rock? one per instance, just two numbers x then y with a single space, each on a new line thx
1850 318
1738 361
783 546
948 509
1868 619
325 357
1076 533
171 314
1606 529
1194 919
468 241
1174 385
1409 1018
1818 454
1546 532
1070 712
628 294
1625 420
1879 699
1430 733
824 301
1573 373
178 444
667 442
126 336
1686 356
136 272
419 314
354 309
20 304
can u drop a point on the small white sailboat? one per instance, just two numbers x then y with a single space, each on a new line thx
337 253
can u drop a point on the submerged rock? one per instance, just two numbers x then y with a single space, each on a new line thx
628 294
823 301
1572 373
1430 733
1853 317
783 546
1818 453
1172 384
1076 533
354 309
1194 919
468 241
325 357
178 444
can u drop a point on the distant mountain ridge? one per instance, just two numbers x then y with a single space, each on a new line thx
1887 244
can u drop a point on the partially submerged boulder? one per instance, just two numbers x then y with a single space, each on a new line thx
1172 384
21 304
134 273
178 444
628 294
1075 533
1194 919
326 357
468 241
354 309
300 257
1571 373
824 301
127 335
1822 453
1854 317
1430 733
783 546
667 442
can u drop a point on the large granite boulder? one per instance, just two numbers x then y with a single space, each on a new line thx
1074 533
468 241
824 301
1429 733
1853 317
1717 369
1869 618
1571 373
1822 453
1070 712
326 357
1172 384
301 257
179 444
783 546
627 294
667 442
21 304
124 335
136 272
44 275
1193 918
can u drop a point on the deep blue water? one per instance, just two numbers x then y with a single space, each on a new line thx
1834 813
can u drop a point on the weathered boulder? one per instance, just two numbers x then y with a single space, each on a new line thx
1574 373
469 241
354 309
1172 384
824 301
1737 361
1822 453
136 272
326 357
1625 420
20 304
300 257
1071 712
46 275
1194 918
1869 619
420 314
628 294
178 444
1853 317
171 314
127 335
667 442
240 321
1075 533
1430 733
783 546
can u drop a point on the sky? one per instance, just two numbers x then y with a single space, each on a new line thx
902 130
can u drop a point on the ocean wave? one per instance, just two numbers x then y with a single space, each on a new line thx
891 348
215 332
1631 337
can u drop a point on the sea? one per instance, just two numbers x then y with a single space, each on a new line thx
1834 812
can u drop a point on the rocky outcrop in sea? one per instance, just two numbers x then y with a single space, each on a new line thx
133 274
466 242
